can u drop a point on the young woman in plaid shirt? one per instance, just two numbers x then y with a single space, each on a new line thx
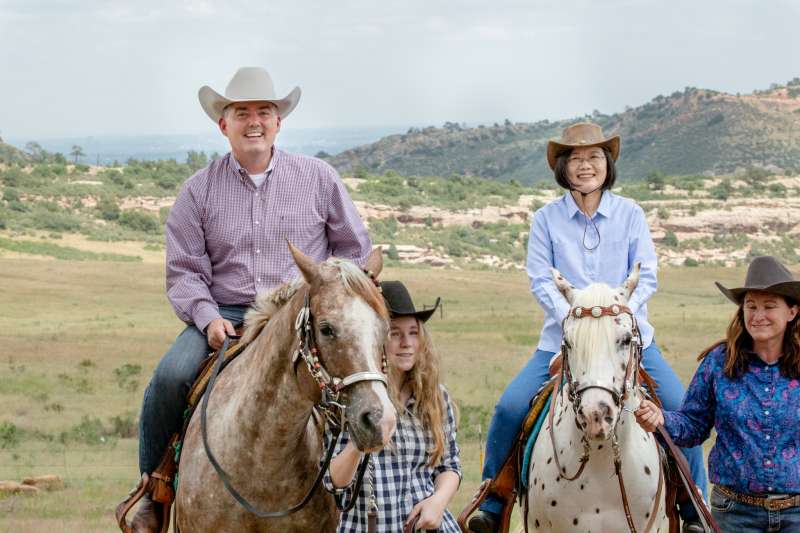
414 478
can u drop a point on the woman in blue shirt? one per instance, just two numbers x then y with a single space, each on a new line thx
590 235
747 387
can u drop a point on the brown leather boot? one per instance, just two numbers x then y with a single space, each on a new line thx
148 517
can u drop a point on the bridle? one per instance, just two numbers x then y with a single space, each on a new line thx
334 412
330 386
575 390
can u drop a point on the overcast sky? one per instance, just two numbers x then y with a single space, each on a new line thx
93 67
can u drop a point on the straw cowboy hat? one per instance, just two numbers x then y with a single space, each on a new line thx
399 302
249 84
581 135
766 274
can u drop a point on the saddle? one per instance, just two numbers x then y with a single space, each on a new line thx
509 489
163 481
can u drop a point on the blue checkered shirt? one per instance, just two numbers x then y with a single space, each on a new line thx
402 476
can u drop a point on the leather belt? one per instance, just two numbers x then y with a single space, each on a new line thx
770 504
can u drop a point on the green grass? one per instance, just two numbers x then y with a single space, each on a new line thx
68 321
61 252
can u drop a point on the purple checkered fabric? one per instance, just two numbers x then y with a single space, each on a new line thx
226 239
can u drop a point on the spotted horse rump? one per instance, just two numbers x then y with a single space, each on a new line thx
593 468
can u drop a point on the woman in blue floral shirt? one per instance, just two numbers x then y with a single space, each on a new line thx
747 388
415 477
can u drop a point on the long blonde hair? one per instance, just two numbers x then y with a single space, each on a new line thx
423 380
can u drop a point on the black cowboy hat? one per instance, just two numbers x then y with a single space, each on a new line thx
399 303
767 274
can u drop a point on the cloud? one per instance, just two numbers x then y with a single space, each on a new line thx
99 66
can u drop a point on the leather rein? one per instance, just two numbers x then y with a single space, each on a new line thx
576 389
334 412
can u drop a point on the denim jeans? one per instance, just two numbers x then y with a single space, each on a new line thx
165 397
513 405
737 517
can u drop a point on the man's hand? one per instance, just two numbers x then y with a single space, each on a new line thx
649 416
430 511
216 331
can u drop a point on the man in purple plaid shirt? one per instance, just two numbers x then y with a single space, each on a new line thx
226 240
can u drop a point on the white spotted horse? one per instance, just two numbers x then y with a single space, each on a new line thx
593 468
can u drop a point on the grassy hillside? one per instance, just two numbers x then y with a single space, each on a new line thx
689 131
81 339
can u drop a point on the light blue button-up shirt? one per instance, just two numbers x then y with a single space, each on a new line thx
557 241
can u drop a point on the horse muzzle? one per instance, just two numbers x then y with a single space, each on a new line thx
597 417
371 416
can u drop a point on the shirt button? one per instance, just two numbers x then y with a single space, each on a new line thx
766 389
258 251
769 489
765 412
259 280
257 222
767 437
767 462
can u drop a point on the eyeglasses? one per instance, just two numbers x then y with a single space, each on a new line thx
596 160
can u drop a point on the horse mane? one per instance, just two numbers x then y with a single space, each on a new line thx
267 303
358 283
591 333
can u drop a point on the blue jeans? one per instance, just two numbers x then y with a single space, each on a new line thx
513 405
165 397
736 517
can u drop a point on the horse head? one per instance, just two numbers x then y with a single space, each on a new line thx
349 324
600 348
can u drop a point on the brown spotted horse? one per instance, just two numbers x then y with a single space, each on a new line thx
314 341
593 468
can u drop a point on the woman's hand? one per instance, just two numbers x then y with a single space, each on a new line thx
430 512
649 416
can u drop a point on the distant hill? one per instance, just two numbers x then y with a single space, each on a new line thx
689 131
9 154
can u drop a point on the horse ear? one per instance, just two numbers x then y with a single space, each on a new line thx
374 263
306 265
563 285
631 281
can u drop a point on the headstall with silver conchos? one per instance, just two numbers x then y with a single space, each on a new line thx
575 391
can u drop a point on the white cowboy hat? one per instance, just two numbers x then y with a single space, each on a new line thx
249 84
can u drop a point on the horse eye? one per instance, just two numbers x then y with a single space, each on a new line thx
626 340
327 330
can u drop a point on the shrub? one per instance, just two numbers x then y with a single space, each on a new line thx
10 194
90 430
12 177
126 376
139 221
10 435
670 239
56 220
721 191
690 262
777 189
108 209
656 180
124 426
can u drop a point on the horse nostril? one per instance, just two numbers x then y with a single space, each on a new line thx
371 419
